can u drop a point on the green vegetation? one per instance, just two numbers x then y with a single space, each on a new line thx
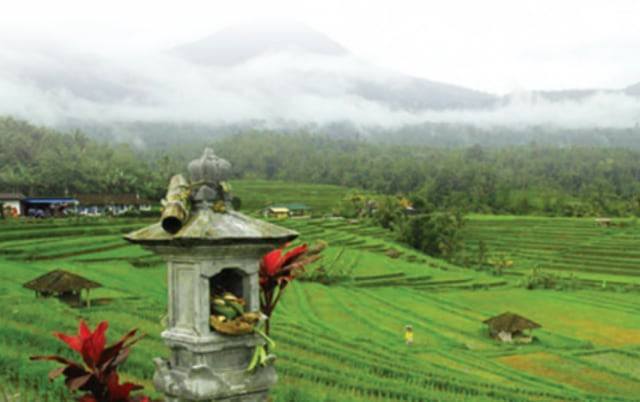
525 179
575 181
257 194
37 160
603 256
339 329
344 342
437 233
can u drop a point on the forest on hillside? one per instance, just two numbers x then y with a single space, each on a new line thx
522 179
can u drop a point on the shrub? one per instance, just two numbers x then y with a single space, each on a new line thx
539 279
499 262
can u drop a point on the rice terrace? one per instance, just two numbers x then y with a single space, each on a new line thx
344 341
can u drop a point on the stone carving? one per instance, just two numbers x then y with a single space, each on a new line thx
209 174
206 365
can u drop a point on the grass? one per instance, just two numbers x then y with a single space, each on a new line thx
345 342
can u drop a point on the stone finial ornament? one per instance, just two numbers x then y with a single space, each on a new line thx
209 169
208 175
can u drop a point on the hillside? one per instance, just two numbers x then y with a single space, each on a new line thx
587 348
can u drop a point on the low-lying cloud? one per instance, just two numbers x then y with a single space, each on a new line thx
55 88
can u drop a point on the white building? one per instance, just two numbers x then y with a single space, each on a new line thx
14 202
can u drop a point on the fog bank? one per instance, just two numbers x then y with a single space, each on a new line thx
54 87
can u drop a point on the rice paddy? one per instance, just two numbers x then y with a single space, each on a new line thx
345 342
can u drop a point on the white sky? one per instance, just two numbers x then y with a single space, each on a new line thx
491 45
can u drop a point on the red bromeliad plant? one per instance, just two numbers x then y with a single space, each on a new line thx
98 376
277 270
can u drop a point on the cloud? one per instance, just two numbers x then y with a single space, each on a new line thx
55 87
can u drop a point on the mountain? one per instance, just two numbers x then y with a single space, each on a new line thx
242 43
269 75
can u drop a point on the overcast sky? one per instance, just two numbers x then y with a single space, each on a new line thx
491 45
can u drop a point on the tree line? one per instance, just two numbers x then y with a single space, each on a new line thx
523 179
530 179
41 161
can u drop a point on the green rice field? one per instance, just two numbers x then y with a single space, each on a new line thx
579 246
344 342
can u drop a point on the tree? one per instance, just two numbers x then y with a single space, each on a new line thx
388 211
437 234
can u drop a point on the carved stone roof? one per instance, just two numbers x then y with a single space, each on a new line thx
209 227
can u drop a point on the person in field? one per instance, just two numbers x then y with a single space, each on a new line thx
408 335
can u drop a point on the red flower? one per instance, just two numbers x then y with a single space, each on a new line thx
98 376
89 344
277 270
274 265
271 263
120 392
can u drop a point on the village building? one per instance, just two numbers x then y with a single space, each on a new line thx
44 207
12 204
111 204
297 209
276 212
281 211
511 327
64 285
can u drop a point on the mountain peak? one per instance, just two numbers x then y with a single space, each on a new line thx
241 42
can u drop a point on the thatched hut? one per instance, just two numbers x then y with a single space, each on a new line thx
509 326
63 285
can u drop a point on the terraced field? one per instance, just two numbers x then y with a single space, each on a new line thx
257 194
342 342
563 245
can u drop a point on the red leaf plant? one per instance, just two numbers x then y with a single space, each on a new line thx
97 377
277 270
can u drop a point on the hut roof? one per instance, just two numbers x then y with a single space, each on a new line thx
296 206
12 196
59 281
50 200
510 322
279 209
